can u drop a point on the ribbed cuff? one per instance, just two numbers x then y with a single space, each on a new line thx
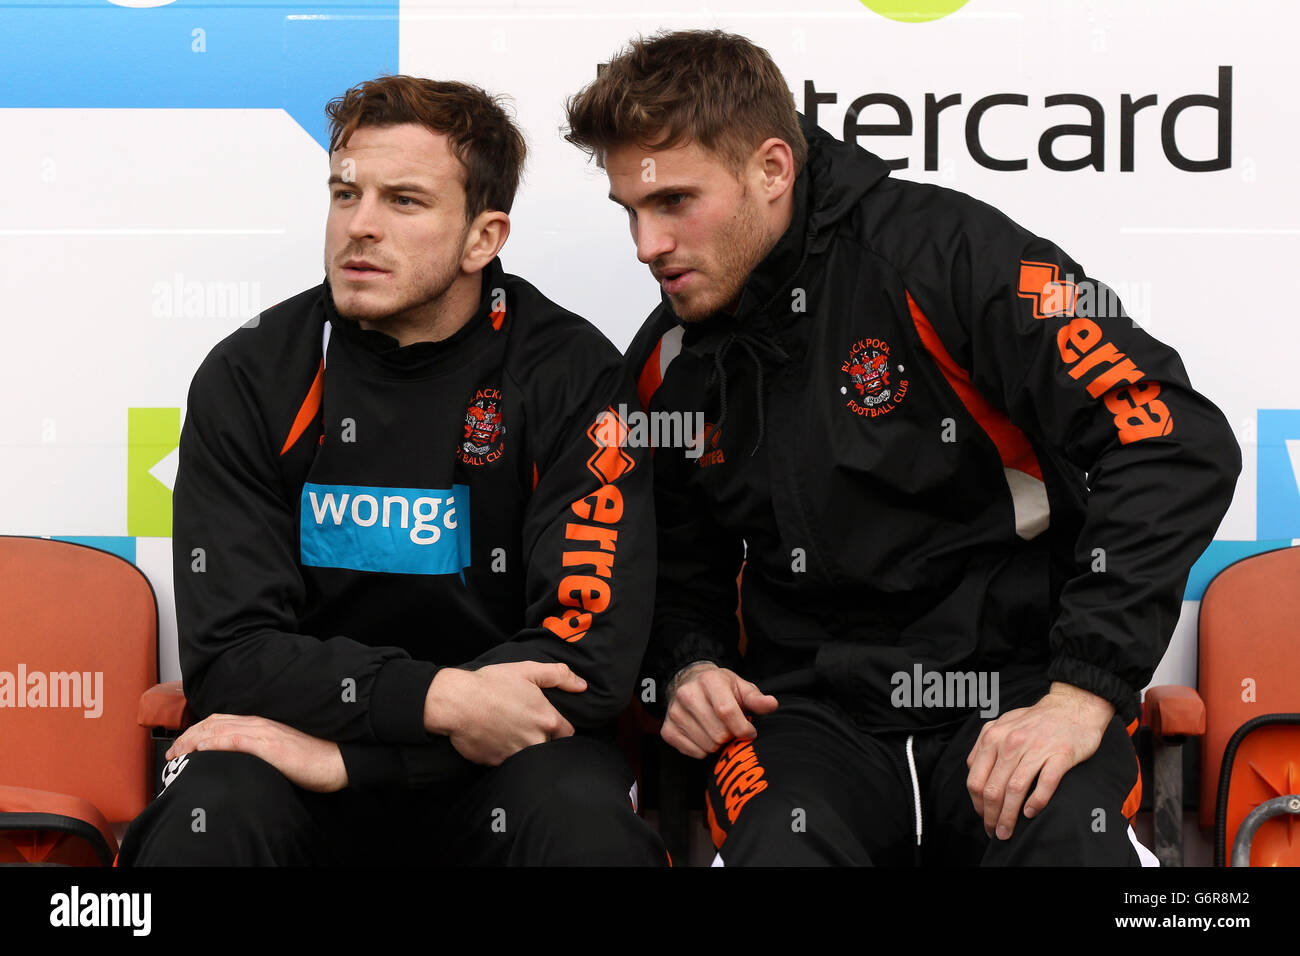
1090 677
397 701
692 648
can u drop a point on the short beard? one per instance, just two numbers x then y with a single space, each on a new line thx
746 246
431 285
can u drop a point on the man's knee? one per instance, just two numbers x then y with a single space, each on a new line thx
218 808
808 790
792 815
568 802
781 827
1084 823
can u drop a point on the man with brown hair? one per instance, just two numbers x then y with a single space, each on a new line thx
412 564
966 499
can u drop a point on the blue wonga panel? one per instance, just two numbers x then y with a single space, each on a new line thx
392 530
259 55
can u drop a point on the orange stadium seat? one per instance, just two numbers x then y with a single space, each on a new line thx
1246 712
78 648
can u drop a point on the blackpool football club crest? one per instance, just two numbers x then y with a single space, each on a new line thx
484 432
875 384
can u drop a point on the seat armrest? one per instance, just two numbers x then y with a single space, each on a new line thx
1174 711
164 705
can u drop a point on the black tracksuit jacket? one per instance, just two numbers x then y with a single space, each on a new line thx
350 515
932 440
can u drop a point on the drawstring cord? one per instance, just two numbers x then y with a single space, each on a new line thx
753 344
916 788
747 340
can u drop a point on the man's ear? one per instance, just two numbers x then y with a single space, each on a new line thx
775 168
484 239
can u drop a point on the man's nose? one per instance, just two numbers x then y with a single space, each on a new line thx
652 241
365 220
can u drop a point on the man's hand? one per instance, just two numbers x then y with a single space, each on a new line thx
307 761
496 711
1044 741
706 708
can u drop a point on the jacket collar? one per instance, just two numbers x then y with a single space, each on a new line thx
383 350
780 264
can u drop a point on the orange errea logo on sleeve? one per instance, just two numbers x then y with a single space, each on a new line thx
1040 282
1117 380
591 542
1132 399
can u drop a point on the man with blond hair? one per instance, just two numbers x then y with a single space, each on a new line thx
965 497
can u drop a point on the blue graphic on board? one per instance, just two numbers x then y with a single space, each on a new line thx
124 54
1277 499
123 547
1277 486
394 530
1218 556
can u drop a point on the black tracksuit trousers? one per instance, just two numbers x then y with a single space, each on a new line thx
812 788
557 803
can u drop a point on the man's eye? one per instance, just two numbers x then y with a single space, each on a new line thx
342 193
676 199
408 199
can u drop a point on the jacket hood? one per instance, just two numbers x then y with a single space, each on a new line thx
841 174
